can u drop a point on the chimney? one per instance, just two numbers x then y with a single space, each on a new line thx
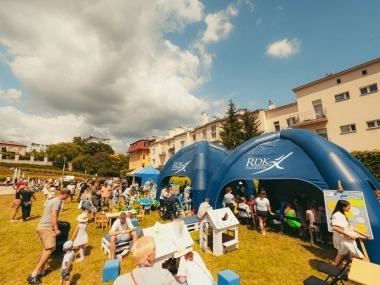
271 105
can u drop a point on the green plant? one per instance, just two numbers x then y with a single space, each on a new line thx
371 160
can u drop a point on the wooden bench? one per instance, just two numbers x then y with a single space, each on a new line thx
230 245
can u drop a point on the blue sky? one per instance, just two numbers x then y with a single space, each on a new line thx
135 69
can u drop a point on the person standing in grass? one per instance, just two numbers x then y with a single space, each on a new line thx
67 262
345 235
80 236
48 230
262 210
26 205
19 186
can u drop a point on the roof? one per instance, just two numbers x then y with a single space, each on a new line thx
12 143
140 145
336 74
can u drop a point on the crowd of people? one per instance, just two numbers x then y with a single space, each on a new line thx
191 268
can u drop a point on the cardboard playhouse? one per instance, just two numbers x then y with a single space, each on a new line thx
168 238
219 231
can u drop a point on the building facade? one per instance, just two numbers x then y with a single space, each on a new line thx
342 107
139 153
12 146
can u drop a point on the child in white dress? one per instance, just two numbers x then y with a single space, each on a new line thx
81 235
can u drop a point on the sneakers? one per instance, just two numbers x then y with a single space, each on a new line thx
312 242
33 280
79 260
13 220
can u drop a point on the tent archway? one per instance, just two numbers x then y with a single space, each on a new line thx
304 156
199 162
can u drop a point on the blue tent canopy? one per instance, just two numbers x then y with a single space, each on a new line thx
146 173
299 155
199 162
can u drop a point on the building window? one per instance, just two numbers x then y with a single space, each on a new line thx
348 129
322 133
291 121
143 156
182 144
10 148
368 89
373 124
213 128
364 72
204 134
338 81
318 109
341 97
19 150
168 142
194 137
143 165
213 136
145 144
276 126
153 161
153 150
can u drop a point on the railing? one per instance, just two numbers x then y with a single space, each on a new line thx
309 116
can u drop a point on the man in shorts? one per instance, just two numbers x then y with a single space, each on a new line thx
47 230
119 232
71 187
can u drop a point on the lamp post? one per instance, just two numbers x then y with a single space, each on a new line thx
63 168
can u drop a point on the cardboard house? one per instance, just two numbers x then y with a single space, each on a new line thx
219 231
168 238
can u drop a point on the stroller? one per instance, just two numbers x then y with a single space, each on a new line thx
168 210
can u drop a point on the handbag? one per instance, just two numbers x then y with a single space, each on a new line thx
80 204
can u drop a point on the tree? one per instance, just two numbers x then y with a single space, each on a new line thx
57 152
250 126
79 141
92 148
230 134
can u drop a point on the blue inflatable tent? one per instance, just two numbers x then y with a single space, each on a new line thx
199 162
289 161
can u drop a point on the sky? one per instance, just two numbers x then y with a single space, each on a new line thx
126 70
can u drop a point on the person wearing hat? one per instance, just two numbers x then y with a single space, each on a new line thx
48 230
240 190
191 268
67 262
81 235
144 254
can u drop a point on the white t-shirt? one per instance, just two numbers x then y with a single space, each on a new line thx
195 271
261 205
71 188
118 226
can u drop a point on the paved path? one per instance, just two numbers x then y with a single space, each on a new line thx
6 190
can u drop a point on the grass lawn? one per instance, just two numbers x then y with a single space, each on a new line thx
270 259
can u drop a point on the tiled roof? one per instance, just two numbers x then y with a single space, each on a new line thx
11 143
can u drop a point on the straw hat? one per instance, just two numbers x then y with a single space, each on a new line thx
82 218
182 252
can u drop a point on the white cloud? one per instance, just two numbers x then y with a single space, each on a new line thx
248 3
283 48
11 95
251 103
105 68
259 20
218 25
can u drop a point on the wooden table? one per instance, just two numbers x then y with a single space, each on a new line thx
363 272
111 216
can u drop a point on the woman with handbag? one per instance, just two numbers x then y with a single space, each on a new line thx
192 269
26 202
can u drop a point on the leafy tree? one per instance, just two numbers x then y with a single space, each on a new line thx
92 148
79 141
57 152
230 134
250 126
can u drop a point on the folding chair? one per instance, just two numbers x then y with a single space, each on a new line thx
334 271
313 280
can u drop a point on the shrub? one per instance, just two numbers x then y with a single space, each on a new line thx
371 160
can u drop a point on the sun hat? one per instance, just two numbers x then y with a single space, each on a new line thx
68 244
82 218
182 251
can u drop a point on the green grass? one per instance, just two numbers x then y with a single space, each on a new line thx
270 259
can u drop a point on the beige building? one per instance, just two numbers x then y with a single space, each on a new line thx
12 146
343 107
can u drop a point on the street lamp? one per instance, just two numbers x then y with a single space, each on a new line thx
63 168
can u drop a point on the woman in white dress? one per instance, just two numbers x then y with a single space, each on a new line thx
344 233
192 269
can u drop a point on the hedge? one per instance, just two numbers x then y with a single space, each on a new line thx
371 160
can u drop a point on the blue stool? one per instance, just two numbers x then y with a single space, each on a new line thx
111 270
228 277
134 222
